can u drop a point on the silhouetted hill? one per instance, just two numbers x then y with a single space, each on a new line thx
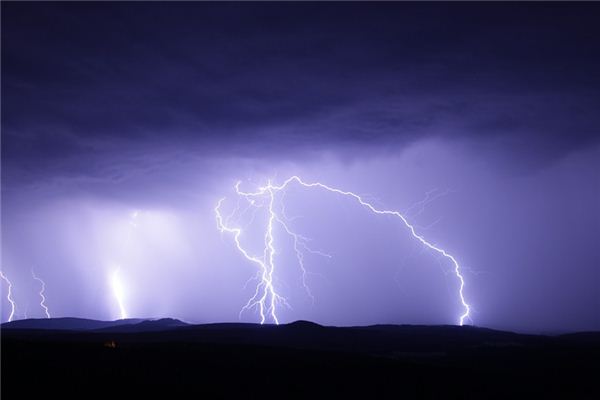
145 358
376 339
582 337
83 324
68 323
150 325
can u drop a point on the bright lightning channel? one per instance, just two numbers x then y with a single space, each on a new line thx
265 297
41 293
115 278
117 287
13 305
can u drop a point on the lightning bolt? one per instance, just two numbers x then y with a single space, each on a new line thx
117 287
9 297
115 278
266 297
41 293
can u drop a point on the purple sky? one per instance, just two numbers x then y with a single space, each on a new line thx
109 109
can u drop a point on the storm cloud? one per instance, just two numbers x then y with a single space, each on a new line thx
114 107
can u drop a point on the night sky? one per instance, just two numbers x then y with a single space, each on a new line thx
123 124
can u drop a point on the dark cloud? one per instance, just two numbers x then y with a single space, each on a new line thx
80 77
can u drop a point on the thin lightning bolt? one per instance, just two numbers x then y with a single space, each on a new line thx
265 297
430 196
41 293
9 297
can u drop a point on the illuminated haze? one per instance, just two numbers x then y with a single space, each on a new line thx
124 124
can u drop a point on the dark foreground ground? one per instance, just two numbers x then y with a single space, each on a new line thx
165 358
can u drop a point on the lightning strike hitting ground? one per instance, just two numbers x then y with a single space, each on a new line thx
117 287
9 297
265 297
41 293
116 283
